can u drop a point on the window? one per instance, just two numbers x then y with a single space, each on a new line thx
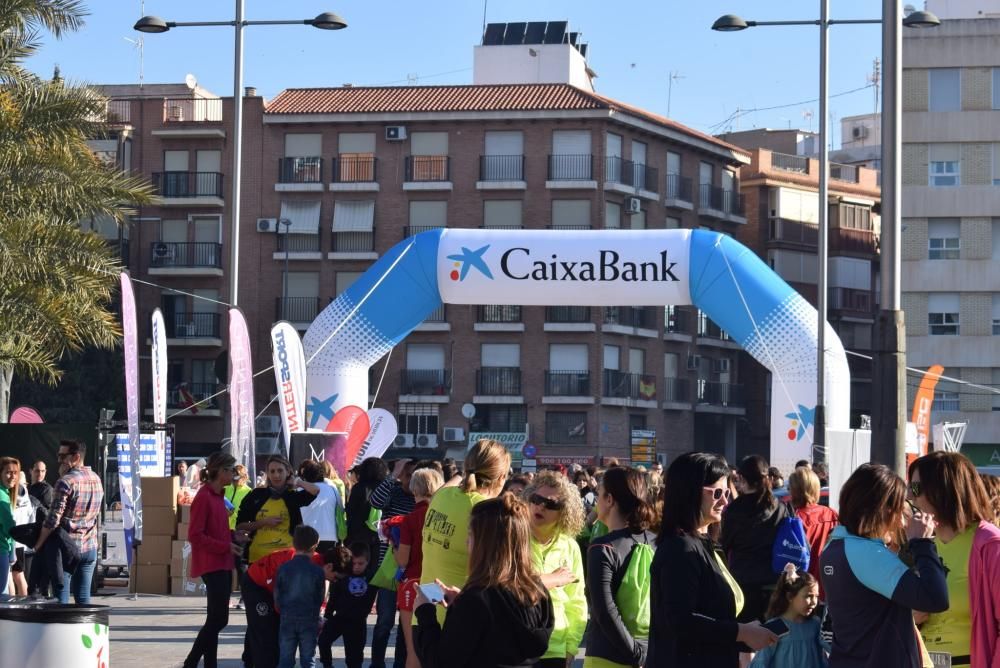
355 157
944 89
996 164
705 174
854 216
504 159
943 241
996 87
942 313
611 355
418 418
944 165
636 360
638 220
427 215
673 163
636 422
425 371
571 156
566 427
571 214
501 354
345 279
996 314
502 214
428 152
613 151
303 145
353 226
612 215
302 304
792 266
672 223
174 231
996 385
946 398
501 418
304 217
996 238
670 365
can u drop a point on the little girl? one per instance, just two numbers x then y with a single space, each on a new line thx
794 601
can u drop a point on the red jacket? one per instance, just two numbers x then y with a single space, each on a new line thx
818 521
265 570
209 533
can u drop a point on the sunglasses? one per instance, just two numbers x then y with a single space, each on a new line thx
548 504
62 455
915 488
719 492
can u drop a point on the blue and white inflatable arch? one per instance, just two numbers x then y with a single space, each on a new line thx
587 268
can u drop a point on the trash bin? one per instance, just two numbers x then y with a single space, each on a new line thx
42 635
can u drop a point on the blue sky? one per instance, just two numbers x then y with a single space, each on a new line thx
635 45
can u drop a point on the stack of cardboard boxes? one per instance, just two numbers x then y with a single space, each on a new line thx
159 526
181 583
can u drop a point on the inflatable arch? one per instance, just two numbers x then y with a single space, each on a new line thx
712 271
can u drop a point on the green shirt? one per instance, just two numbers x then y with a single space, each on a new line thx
6 523
569 603
951 631
235 496
445 539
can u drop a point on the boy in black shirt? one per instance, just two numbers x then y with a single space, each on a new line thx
351 599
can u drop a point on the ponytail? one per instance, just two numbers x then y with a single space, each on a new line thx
627 486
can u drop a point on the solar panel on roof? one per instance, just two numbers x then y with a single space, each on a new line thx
572 37
535 33
583 50
494 34
515 33
554 32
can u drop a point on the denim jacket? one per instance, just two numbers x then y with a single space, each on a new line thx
298 589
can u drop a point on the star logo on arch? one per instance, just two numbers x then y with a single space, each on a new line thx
801 420
468 259
320 408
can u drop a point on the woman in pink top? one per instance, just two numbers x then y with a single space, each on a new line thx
213 548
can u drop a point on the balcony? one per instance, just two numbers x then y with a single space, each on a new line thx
793 232
297 243
630 177
676 325
562 384
185 259
357 173
494 318
721 203
679 192
850 240
115 112
191 118
497 381
353 242
189 188
437 321
501 172
427 172
628 389
192 329
855 302
790 163
426 383
185 395
571 171
296 310
676 393
711 334
300 174
634 320
716 397
846 173
411 230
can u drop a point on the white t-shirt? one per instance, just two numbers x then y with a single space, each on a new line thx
321 513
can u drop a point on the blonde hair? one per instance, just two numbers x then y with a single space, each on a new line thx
803 486
486 466
572 516
424 482
13 492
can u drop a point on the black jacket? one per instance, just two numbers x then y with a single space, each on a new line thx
351 598
693 622
748 538
484 628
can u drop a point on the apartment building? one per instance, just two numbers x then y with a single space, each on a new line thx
951 229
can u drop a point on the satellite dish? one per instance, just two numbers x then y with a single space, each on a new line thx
190 81
468 411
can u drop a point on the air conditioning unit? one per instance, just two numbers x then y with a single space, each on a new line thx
266 445
721 365
633 205
175 113
267 424
427 440
694 362
395 132
859 132
454 434
162 250
404 441
267 224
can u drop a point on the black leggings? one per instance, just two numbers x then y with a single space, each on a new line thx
218 587
554 662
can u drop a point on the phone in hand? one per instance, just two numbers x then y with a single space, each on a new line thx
777 626
433 592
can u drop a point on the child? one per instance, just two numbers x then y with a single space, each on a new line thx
794 600
298 595
351 600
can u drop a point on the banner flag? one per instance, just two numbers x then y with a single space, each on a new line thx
290 378
922 404
241 392
131 503
159 349
381 435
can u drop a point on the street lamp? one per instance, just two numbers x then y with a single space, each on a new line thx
284 290
156 25
734 23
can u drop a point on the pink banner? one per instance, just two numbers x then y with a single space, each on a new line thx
241 392
25 415
159 350
131 507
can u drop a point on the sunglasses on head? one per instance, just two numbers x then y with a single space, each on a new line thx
719 492
548 504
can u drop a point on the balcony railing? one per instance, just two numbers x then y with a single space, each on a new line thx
188 184
720 394
353 242
197 254
679 188
501 168
300 170
675 321
566 428
848 173
622 385
848 299
567 314
720 199
790 163
298 243
436 382
793 231
355 169
499 381
115 111
192 110
849 240
185 394
708 329
437 315
568 227
498 314
677 390
567 383
192 325
629 173
296 309
629 316
411 230
428 168
571 167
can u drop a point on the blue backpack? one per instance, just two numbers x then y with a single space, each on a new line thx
790 545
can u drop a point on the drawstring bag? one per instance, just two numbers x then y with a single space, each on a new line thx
385 576
790 545
632 596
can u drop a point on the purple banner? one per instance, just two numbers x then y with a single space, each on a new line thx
241 392
131 503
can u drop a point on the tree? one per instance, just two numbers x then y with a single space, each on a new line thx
56 280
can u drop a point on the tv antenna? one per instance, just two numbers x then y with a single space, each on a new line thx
675 75
138 43
807 114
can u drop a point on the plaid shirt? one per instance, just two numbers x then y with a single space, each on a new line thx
76 506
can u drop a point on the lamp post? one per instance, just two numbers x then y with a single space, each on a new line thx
155 25
284 288
733 23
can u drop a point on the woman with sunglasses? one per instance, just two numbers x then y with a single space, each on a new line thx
557 518
947 486
694 599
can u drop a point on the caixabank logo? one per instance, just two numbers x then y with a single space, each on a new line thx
519 264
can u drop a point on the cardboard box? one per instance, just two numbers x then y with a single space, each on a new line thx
185 514
186 587
157 521
160 492
178 568
153 579
155 550
178 549
182 531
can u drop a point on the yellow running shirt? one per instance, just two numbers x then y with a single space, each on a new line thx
445 537
951 631
270 539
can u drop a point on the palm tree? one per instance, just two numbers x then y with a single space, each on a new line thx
56 280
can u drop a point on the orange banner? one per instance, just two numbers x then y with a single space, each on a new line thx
922 406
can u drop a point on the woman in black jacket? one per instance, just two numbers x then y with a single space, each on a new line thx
693 597
371 472
749 526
